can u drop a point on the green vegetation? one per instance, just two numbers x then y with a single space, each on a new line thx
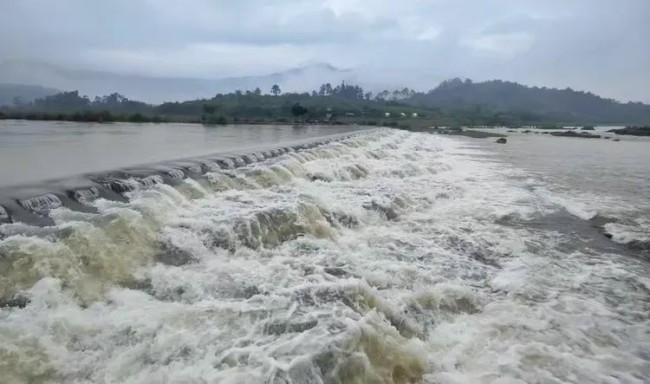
453 103
516 104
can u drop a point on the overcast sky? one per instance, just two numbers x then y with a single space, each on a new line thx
595 45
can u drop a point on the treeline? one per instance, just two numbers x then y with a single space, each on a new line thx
70 106
85 116
453 102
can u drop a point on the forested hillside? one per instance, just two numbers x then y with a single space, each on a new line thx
453 102
547 104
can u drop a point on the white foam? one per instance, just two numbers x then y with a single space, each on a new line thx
407 258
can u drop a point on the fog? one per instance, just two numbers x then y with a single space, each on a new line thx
588 45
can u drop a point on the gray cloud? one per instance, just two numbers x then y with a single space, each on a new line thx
595 45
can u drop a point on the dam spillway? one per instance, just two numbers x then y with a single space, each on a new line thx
31 203
380 256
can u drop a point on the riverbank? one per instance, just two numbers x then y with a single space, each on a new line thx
632 131
465 132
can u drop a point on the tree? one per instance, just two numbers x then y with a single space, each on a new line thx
368 95
275 89
383 95
298 110
209 109
257 91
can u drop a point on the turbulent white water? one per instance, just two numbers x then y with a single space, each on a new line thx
393 257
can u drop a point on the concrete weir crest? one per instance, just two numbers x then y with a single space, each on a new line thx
31 204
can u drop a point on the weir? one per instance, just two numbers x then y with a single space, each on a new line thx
31 204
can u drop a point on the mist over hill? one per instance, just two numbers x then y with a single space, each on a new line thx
16 94
492 102
156 90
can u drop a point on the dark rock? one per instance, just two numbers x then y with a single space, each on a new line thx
250 291
320 177
280 328
501 140
390 213
587 128
337 219
481 258
144 285
174 256
583 135
336 271
16 302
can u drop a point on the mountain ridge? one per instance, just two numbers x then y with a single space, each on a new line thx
500 96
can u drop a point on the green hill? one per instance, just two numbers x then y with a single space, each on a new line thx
531 103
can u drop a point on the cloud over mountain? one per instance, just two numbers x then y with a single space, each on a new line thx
596 45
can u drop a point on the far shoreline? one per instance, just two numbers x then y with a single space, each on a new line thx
421 125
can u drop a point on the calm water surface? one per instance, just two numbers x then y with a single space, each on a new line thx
33 151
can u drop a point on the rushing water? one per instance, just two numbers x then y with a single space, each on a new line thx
392 257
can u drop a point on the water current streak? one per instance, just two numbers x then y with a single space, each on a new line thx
391 257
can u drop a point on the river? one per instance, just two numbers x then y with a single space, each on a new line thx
389 257
32 151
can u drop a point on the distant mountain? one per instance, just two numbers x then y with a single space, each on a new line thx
157 90
10 94
562 105
502 100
